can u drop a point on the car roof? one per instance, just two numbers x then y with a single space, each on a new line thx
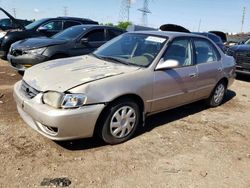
69 18
74 18
168 34
92 26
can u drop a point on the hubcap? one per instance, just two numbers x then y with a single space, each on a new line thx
219 93
123 122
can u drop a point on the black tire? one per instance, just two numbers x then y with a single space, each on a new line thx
58 56
21 73
214 100
109 115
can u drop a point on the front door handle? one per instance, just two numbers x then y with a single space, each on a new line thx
192 75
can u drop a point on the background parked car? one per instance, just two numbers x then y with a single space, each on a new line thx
220 34
44 27
241 53
76 40
8 24
216 39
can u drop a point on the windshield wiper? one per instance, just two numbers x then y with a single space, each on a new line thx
114 59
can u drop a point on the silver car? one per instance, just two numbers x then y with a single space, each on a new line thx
111 91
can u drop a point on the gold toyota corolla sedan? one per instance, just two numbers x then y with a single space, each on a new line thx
111 91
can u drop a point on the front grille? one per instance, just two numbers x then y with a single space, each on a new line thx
16 52
242 58
29 91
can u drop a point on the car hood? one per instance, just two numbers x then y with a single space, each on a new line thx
243 47
33 43
64 74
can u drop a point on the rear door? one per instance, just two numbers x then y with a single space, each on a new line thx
209 66
175 87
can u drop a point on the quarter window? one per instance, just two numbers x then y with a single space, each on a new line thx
68 24
180 50
114 33
205 52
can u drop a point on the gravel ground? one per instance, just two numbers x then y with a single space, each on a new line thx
191 146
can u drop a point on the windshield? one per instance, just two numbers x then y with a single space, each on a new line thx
248 41
35 24
70 33
132 48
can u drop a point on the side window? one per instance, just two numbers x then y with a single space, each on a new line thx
96 36
180 50
205 52
68 24
54 25
114 33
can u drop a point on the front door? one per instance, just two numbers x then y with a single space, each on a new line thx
95 39
174 87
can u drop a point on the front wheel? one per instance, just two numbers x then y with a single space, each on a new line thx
217 95
121 122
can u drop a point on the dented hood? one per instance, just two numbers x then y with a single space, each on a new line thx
63 74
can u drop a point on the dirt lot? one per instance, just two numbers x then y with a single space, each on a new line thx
190 146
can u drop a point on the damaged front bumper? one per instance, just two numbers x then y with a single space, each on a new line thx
56 124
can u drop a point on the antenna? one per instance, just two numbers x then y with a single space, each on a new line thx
125 10
145 11
243 19
65 11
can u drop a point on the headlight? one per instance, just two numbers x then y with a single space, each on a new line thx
60 100
2 34
73 100
35 51
53 99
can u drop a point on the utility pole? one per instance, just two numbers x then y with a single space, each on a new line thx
65 11
145 11
199 27
14 12
243 19
124 14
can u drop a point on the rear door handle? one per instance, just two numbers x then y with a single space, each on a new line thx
192 75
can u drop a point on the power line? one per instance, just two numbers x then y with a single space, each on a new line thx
145 11
124 14
243 19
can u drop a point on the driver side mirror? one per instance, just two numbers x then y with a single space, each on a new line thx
168 64
42 29
84 41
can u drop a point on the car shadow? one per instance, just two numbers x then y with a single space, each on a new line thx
243 77
151 123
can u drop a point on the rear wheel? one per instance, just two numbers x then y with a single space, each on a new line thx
217 95
121 122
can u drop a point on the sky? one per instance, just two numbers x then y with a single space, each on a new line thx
224 15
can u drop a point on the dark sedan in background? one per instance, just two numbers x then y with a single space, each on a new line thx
241 53
74 41
44 27
215 38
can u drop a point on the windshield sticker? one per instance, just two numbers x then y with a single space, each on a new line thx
155 39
